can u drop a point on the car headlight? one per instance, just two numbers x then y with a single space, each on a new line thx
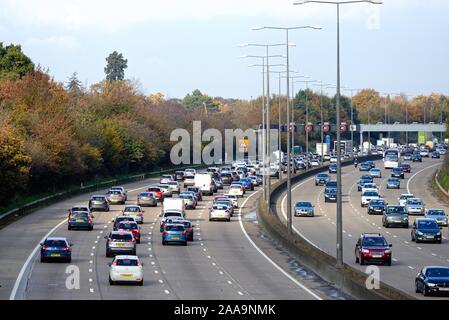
420 233
432 285
438 233
388 251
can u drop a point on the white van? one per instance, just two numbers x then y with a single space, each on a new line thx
173 204
204 182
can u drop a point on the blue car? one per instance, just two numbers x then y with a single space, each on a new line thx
333 168
393 183
432 280
174 233
247 184
54 248
397 173
365 166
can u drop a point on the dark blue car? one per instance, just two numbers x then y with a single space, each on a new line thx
333 168
425 229
432 280
54 248
247 184
174 233
330 195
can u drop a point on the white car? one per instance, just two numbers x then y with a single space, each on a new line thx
333 159
220 212
126 269
190 172
368 196
415 206
174 186
314 163
134 211
236 189
165 179
403 198
234 199
369 187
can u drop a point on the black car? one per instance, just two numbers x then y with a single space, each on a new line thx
330 195
377 206
397 173
425 229
435 155
226 178
121 219
333 168
331 184
368 177
432 279
417 157
179 175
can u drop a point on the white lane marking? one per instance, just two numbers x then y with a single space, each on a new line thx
28 260
91 280
410 267
395 260
167 292
221 272
93 248
229 282
91 261
90 270
161 281
419 248
266 257
208 257
91 290
240 293
156 272
406 242
434 254
413 176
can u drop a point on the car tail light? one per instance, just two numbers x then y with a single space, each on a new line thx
89 219
184 233
114 263
45 248
138 263
66 248
164 232
365 251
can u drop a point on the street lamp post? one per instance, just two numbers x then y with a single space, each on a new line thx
267 112
289 195
321 84
352 115
339 193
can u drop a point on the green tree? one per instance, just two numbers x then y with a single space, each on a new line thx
74 85
13 62
115 67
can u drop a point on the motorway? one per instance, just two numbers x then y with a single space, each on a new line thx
221 263
408 257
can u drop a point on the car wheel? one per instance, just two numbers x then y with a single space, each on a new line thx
229 220
163 243
108 255
134 253
362 262
69 228
356 259
138 241
388 263
185 243
426 292
91 228
140 283
110 281
439 241
68 260
43 259
416 287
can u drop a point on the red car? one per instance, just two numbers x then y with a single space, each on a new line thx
158 194
372 247
130 226
406 168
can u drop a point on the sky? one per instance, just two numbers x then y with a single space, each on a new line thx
176 46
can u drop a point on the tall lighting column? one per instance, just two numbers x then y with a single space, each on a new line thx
339 243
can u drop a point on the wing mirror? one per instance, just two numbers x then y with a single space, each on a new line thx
109 264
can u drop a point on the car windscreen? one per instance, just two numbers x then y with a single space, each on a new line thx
120 219
131 226
414 201
437 272
79 209
187 224
427 224
79 215
304 204
370 194
154 189
220 207
132 209
322 176
98 198
172 214
114 192
175 228
396 210
435 213
127 262
55 243
374 242
377 202
147 194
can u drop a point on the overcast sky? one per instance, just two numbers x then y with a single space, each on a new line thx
175 46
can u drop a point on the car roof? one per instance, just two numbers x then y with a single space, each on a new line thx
121 232
132 206
56 238
98 195
378 235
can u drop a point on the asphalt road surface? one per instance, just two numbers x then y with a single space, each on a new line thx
408 257
221 263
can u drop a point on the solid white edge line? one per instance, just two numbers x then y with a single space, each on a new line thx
413 176
28 260
266 257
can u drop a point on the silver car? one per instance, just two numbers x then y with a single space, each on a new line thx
304 208
438 215
146 199
220 212
166 190
122 189
414 206
174 185
120 242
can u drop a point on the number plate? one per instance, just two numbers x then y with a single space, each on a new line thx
175 238
55 255
126 275
120 244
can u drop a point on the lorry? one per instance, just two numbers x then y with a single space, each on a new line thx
345 146
205 183
173 204
322 148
